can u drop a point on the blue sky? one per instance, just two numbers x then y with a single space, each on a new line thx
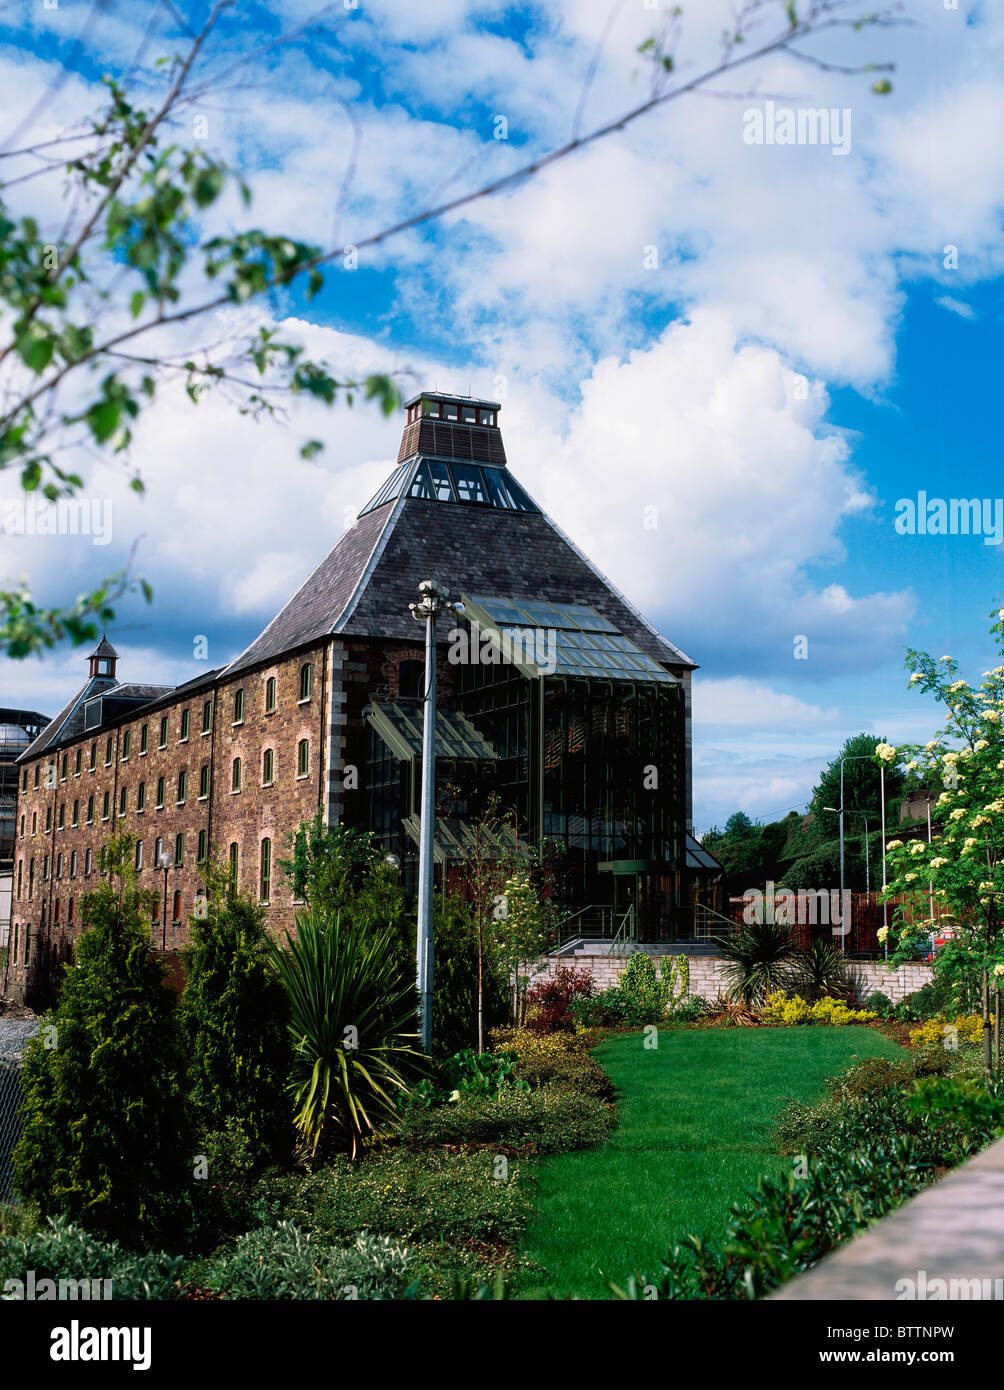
798 359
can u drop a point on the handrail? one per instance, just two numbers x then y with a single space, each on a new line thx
701 923
621 936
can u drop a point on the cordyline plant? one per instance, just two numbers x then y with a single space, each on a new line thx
351 1020
963 866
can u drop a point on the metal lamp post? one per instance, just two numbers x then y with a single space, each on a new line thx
852 812
433 599
164 862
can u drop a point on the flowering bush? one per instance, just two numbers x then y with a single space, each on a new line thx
791 1012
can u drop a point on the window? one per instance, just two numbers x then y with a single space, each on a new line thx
306 680
185 714
158 850
48 818
57 910
267 764
469 415
45 869
90 810
20 866
141 797
34 822
66 765
265 883
410 679
182 785
126 740
88 862
235 775
139 854
59 866
36 774
22 825
62 815
207 717
123 800
108 752
76 814
73 864
269 697
450 411
24 779
94 756
77 761
203 781
488 417
27 941
303 757
176 907
160 793
162 740
238 706
144 738
105 806
69 913
179 849
234 866
200 854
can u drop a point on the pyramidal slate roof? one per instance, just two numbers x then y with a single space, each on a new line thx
69 722
365 583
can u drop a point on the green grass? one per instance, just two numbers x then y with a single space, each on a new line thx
694 1122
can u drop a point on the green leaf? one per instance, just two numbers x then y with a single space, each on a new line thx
882 87
31 475
102 419
34 346
311 449
136 303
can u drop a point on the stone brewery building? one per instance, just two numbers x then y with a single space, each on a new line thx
582 726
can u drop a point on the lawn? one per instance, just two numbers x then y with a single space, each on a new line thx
694 1122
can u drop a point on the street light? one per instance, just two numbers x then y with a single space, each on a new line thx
852 812
164 862
434 598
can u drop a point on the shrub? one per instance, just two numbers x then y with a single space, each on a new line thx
548 1003
880 1004
106 1140
820 970
455 979
939 1031
234 1017
285 1262
413 1194
348 1012
60 1250
550 1119
827 1010
691 1009
640 997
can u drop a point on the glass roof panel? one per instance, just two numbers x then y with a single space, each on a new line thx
470 483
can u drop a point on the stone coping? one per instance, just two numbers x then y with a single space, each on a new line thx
952 1231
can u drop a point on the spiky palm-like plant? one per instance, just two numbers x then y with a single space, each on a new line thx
757 961
350 1022
821 970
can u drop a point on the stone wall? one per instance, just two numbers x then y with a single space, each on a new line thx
707 980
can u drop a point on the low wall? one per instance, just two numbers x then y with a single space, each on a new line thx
707 975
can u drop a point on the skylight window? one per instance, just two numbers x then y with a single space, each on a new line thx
436 480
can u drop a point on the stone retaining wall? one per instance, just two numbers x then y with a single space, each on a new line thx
707 980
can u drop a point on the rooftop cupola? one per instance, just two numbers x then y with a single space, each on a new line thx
102 659
453 427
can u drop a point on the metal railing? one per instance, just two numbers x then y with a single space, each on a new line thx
708 923
11 1097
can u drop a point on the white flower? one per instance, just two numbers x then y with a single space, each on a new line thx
959 685
938 862
992 716
950 758
944 798
999 969
910 877
980 744
930 747
883 932
946 658
912 764
886 752
894 844
918 847
958 813
980 820
916 677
